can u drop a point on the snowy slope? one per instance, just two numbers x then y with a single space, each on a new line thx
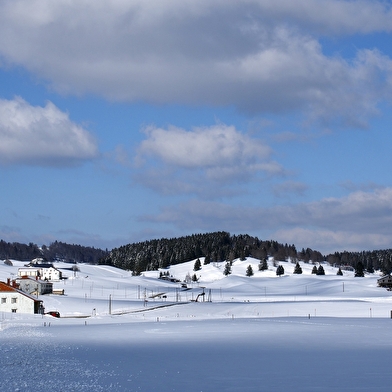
261 333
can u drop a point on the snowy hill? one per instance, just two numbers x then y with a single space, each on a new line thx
123 332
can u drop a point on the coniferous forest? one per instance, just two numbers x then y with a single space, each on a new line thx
215 247
55 251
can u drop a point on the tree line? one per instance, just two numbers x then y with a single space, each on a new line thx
56 251
215 247
221 246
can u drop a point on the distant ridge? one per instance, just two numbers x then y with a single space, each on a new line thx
214 246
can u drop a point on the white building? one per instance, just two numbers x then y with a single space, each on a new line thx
16 301
43 271
29 271
34 286
50 273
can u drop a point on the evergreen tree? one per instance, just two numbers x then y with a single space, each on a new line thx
314 270
263 265
297 269
280 270
340 273
197 266
194 278
227 270
249 271
359 270
320 270
370 268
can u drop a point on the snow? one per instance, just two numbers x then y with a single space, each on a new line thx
260 333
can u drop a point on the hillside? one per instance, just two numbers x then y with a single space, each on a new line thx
91 286
213 247
121 332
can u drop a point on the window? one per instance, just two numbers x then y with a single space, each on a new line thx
3 300
14 300
13 310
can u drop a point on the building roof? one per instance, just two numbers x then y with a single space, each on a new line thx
4 287
25 277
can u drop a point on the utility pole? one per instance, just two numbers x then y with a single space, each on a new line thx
110 303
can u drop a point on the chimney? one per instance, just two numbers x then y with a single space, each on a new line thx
8 281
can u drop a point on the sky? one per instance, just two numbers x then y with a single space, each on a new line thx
124 120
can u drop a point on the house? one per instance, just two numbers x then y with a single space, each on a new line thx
43 271
48 272
29 271
34 285
385 281
16 301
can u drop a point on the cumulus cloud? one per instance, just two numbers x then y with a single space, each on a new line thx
359 221
179 160
260 56
41 135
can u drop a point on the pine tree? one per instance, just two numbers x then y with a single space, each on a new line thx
280 270
227 270
370 268
194 278
320 270
249 271
297 269
359 270
340 273
197 265
314 270
263 265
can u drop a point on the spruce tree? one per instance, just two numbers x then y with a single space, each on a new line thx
320 270
227 270
340 273
197 265
314 270
370 268
280 270
297 269
263 265
249 271
359 270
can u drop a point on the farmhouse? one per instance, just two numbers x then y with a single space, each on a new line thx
43 271
385 281
35 286
16 301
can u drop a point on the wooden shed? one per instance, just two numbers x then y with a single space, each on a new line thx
385 281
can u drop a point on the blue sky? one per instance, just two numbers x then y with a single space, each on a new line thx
123 121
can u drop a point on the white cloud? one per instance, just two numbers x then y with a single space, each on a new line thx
330 241
260 56
176 160
218 145
41 135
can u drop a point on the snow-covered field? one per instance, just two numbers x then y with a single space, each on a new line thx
260 333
